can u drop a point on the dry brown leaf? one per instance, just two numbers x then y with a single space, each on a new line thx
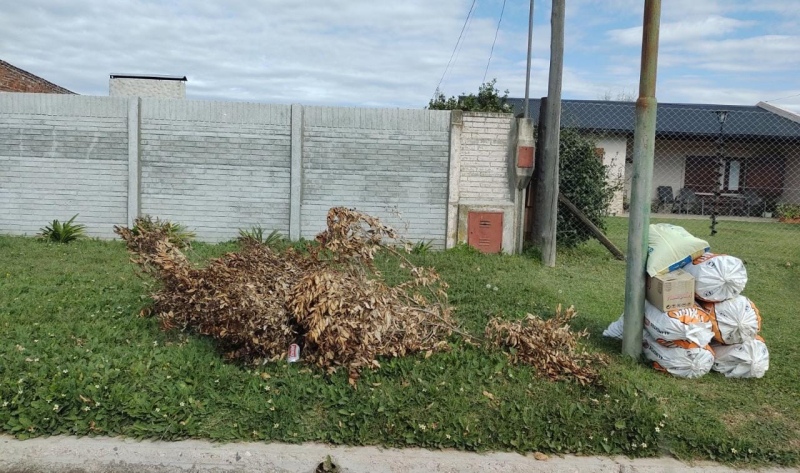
328 298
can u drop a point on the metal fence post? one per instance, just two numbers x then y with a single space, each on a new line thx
642 184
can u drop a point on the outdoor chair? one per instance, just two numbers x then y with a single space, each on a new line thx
665 198
752 202
687 202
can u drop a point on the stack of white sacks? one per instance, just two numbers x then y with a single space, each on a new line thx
719 332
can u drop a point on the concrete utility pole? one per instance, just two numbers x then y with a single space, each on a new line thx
644 140
526 113
547 193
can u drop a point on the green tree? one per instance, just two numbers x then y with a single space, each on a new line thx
487 100
583 180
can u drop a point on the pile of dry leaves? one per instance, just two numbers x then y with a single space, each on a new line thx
549 345
329 298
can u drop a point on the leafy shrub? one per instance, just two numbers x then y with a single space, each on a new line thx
176 233
582 180
66 232
487 100
787 211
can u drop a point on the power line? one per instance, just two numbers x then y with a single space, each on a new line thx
781 98
493 42
460 35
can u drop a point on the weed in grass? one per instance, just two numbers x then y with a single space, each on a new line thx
66 232
256 235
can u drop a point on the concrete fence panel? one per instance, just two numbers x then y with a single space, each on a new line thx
62 155
390 163
216 166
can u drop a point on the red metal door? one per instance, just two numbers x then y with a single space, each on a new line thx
485 231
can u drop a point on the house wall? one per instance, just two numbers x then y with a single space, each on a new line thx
154 88
791 193
614 153
62 155
669 167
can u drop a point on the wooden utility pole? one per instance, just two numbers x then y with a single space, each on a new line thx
644 142
547 192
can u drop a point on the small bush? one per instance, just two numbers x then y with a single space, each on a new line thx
582 180
421 247
787 211
256 235
66 232
176 233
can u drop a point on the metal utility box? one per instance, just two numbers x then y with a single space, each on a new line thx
485 231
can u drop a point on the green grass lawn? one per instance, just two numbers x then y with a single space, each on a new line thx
76 359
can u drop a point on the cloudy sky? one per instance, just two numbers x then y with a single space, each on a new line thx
382 53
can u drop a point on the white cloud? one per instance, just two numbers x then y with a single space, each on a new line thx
684 32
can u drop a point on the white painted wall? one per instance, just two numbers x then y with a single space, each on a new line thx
154 88
484 180
614 153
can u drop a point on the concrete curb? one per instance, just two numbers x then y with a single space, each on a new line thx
95 455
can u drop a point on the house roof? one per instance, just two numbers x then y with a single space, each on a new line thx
672 119
14 79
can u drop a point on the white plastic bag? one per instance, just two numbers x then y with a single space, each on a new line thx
692 324
614 330
717 277
734 321
672 247
743 360
682 359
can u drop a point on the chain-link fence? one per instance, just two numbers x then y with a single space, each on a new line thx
730 165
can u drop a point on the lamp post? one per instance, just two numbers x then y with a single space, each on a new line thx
722 115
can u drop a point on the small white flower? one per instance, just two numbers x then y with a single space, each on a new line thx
169 377
644 445
658 429
272 408
422 427
488 286
66 371
19 392
155 343
605 439
183 404
87 408
275 426
447 436
591 437
55 407
97 386
96 404
734 451
158 410
5 403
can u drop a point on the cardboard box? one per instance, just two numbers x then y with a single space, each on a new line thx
671 291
